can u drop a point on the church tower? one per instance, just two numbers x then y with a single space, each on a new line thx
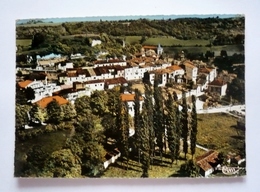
159 50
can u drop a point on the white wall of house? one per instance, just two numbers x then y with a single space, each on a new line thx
96 86
121 63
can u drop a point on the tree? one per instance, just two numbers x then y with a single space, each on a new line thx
158 114
137 121
145 141
63 163
82 106
38 113
92 161
69 111
122 122
98 101
30 94
54 112
21 116
171 125
110 129
178 126
194 130
236 89
184 120
38 39
112 101
35 160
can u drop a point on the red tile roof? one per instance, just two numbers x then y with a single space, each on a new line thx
119 80
189 64
217 82
149 47
205 69
174 67
45 101
24 84
204 160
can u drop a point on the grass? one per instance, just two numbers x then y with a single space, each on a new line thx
133 39
24 42
218 131
166 41
157 170
170 41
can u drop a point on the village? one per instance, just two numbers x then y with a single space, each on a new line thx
56 78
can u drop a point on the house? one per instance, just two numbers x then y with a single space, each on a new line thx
109 62
191 71
129 98
64 66
176 74
161 74
218 86
45 101
207 162
95 42
111 83
24 84
209 72
94 85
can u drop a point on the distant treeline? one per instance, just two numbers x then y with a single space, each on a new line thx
220 31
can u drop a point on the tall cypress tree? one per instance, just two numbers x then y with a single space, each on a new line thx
171 125
194 130
158 116
178 127
148 102
145 140
123 128
184 121
137 121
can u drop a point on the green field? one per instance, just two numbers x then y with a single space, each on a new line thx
169 41
23 42
218 131
166 41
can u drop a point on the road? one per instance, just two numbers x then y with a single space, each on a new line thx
224 109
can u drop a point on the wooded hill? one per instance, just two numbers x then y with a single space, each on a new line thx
220 31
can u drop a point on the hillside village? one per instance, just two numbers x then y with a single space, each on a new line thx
56 78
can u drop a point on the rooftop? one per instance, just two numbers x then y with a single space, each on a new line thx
24 84
204 160
217 82
45 101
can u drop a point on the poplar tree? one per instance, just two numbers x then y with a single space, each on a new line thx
123 128
148 104
137 121
178 128
171 125
158 116
184 121
145 141
194 130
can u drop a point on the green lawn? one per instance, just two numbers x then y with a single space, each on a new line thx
218 131
157 170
